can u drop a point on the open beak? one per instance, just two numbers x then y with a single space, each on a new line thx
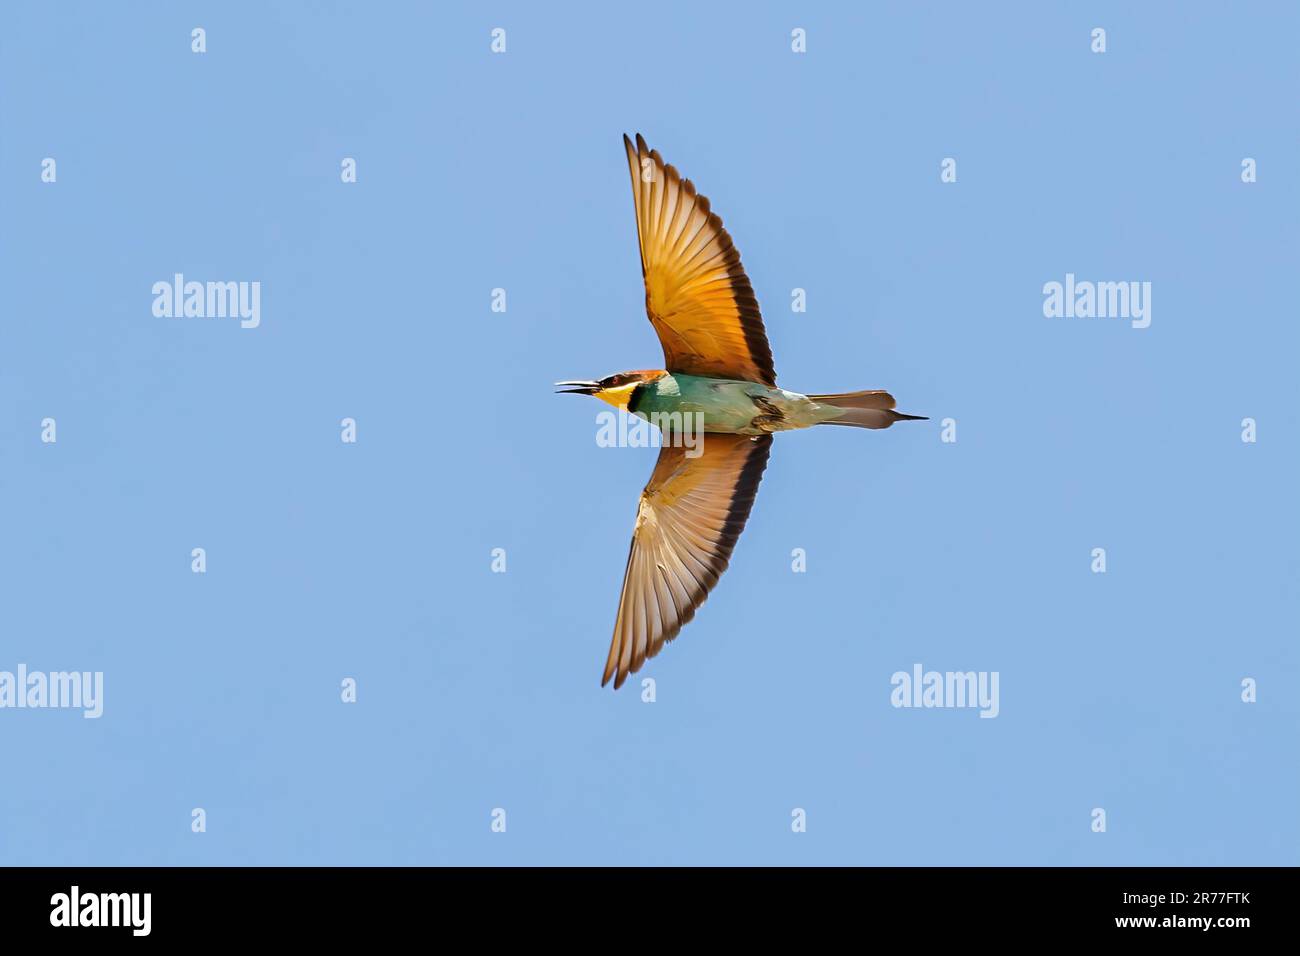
577 388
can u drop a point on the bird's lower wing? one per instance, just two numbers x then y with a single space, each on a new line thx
691 514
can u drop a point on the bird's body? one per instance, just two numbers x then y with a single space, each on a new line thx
725 406
719 381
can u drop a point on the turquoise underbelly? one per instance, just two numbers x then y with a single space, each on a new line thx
721 405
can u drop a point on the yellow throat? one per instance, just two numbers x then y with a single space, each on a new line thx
619 396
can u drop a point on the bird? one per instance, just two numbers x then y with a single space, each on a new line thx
718 378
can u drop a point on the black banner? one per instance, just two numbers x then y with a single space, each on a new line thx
331 905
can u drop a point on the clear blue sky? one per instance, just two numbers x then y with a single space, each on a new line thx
479 690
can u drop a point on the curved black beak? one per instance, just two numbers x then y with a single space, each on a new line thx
577 388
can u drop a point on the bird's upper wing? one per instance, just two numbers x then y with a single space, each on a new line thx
696 292
691 514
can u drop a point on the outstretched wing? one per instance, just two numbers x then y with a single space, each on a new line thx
696 292
691 514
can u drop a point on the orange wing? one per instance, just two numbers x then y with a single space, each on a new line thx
696 292
691 514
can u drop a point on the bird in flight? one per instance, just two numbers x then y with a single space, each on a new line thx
718 376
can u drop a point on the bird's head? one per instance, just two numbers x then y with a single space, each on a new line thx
615 389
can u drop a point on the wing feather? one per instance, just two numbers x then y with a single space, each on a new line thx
697 295
691 514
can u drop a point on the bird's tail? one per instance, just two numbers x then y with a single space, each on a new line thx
873 409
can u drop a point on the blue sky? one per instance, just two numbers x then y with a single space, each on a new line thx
372 560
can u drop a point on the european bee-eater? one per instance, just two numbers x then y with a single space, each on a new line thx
718 373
